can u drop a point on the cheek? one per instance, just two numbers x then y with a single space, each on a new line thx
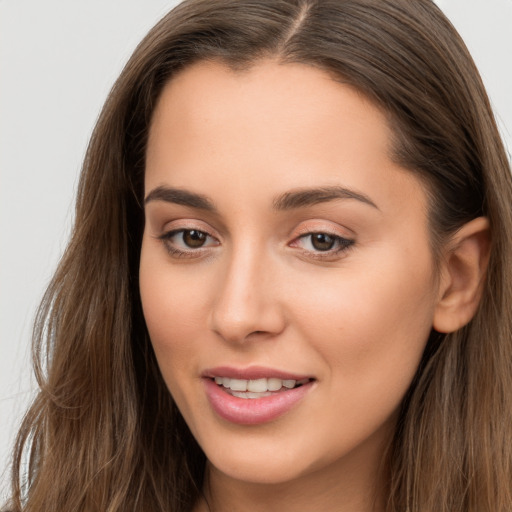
173 305
172 319
371 320
370 336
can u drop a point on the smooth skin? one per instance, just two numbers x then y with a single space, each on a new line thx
231 275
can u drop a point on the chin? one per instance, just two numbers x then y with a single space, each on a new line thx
257 471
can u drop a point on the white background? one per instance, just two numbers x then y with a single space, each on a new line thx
58 59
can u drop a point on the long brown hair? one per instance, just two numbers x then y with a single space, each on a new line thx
104 433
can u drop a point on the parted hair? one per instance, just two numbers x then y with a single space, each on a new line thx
104 433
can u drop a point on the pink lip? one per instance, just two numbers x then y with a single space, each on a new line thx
252 411
251 373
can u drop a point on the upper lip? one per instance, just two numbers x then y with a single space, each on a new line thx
251 373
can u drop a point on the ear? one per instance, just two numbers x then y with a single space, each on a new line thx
463 273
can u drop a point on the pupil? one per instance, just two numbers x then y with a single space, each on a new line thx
194 238
322 242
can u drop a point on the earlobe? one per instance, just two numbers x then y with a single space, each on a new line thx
463 273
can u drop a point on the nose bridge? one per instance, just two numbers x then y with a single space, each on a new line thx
245 303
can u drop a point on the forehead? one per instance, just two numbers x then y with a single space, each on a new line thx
210 92
289 82
267 128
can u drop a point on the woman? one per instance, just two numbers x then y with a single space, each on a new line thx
287 285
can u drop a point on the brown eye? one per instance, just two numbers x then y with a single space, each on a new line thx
193 238
322 244
322 241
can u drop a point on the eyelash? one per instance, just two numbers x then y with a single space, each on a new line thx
180 253
340 244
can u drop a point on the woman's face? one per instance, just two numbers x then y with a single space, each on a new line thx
286 274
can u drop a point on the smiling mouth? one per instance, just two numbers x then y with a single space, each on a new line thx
258 388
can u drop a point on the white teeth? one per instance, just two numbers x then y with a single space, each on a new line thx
274 384
257 385
240 385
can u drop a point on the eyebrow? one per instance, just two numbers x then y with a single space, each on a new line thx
288 201
311 196
180 196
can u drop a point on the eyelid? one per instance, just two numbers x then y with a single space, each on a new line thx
343 240
323 226
180 249
180 226
188 223
173 232
339 250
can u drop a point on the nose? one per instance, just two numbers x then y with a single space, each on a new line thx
246 305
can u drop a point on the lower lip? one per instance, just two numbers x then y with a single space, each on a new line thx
253 411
